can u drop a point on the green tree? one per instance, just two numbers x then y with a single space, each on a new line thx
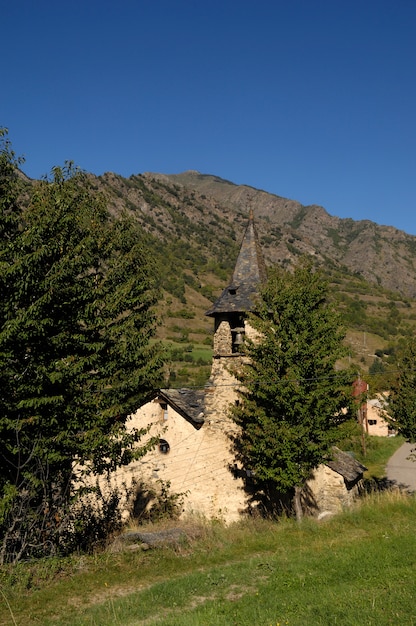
402 401
10 186
293 398
77 299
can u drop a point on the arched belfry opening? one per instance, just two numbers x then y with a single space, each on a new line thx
230 321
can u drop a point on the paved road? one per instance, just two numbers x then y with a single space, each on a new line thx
400 469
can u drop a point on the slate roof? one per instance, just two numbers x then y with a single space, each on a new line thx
187 402
249 273
345 465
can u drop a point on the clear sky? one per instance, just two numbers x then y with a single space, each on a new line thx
314 100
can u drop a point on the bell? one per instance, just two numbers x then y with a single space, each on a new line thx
238 339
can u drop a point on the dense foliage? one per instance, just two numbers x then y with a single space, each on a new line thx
293 399
402 401
76 316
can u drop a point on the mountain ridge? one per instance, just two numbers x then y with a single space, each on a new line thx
383 255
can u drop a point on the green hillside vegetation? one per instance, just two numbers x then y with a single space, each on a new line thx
378 322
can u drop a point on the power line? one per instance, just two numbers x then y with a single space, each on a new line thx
237 383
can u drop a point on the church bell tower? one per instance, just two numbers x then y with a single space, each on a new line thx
230 324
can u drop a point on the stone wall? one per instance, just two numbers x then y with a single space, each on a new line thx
222 337
197 465
222 388
327 493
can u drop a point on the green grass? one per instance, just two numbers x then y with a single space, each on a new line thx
190 363
202 353
354 569
357 568
378 452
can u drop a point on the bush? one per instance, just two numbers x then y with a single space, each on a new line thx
376 367
155 503
37 527
92 522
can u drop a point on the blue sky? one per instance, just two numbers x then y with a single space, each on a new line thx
314 100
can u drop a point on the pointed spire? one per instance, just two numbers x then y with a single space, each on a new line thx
249 273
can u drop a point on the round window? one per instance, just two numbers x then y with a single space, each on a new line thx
164 447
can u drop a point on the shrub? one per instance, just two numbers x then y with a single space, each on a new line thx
155 503
56 527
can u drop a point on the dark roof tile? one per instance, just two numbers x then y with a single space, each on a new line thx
249 273
345 465
187 402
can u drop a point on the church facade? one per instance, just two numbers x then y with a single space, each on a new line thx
194 455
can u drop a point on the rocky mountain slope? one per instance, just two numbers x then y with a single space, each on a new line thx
194 224
208 214
380 254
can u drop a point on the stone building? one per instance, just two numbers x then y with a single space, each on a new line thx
193 427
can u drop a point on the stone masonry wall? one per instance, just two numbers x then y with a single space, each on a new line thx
197 465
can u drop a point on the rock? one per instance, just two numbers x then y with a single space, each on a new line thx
147 540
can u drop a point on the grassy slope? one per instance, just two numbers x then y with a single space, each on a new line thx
378 451
357 568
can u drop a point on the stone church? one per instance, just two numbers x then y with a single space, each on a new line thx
193 427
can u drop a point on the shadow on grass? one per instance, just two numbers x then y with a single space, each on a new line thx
374 484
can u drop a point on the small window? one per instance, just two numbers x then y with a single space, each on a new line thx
164 447
372 422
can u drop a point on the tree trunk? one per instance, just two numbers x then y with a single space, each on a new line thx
297 503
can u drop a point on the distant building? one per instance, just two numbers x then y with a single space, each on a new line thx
377 423
371 414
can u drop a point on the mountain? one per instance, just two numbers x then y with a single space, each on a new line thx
194 224
184 205
380 254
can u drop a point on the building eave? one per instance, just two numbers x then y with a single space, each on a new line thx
189 403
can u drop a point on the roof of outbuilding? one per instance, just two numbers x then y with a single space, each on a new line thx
345 465
249 273
187 402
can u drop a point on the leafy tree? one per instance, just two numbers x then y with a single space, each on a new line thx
10 186
77 298
293 399
402 401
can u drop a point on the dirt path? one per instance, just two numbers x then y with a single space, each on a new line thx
400 469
